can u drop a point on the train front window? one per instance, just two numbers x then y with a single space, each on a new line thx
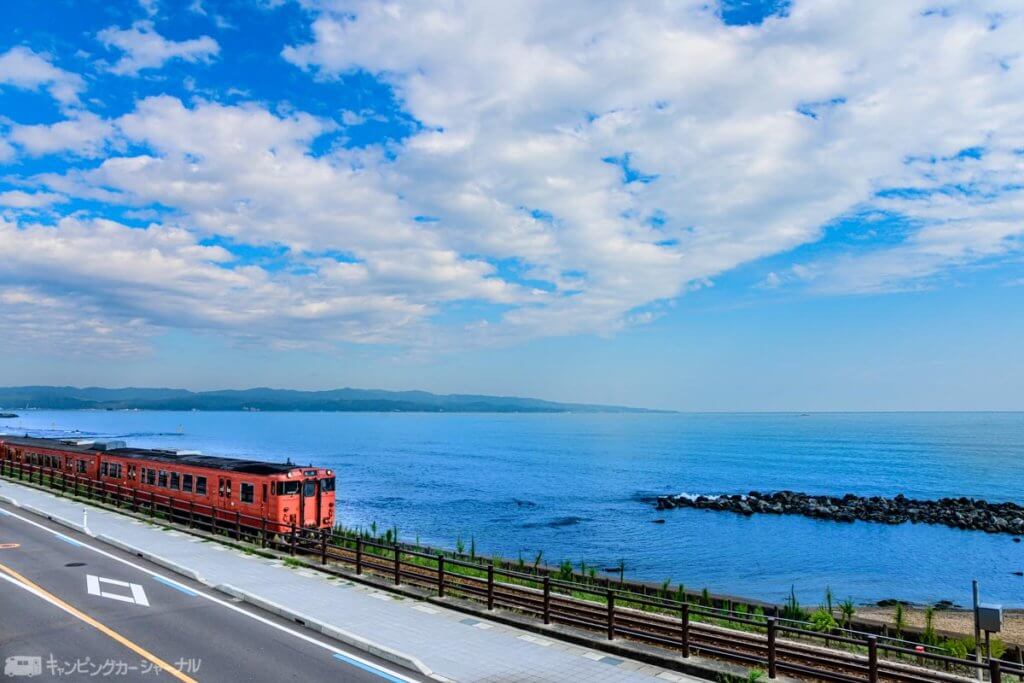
309 489
287 488
327 485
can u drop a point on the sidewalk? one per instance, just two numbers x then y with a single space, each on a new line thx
452 646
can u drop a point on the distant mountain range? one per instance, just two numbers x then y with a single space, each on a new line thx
335 400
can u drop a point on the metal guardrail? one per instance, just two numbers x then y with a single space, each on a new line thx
776 644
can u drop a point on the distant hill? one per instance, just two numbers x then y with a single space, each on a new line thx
334 400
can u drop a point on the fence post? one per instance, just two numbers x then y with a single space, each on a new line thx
191 514
440 575
611 615
359 555
490 586
772 668
263 532
291 548
547 599
398 565
994 674
323 546
135 496
152 505
238 525
872 659
685 619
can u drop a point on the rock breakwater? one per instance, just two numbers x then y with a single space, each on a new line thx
960 513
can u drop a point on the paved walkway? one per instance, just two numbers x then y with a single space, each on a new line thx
453 646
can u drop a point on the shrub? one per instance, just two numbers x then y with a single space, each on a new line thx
792 609
847 609
823 620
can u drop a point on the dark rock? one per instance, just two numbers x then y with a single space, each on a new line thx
961 513
657 521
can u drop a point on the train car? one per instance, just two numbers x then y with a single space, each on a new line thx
285 494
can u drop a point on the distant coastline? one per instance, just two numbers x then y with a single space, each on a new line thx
285 400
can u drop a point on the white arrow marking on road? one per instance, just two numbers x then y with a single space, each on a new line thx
137 597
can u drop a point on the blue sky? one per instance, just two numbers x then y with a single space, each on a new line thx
739 206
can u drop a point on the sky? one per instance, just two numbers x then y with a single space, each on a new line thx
695 205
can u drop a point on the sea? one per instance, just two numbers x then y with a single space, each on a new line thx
576 487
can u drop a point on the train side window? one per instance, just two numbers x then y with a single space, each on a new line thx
227 488
131 472
201 486
151 477
82 466
69 462
103 469
174 480
162 481
327 485
186 482
264 493
246 492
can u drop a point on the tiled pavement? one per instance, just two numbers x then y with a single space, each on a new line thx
455 647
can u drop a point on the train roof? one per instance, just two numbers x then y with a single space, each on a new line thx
190 458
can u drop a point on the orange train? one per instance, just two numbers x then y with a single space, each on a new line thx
283 493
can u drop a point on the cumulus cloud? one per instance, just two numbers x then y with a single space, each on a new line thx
665 147
84 134
20 67
144 48
576 166
28 200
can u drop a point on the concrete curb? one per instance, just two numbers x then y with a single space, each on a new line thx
58 519
155 559
358 642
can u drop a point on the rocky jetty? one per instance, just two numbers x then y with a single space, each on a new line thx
960 513
7 415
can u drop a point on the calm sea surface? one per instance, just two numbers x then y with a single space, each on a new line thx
568 485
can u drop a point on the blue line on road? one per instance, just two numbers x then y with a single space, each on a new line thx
176 587
368 668
70 541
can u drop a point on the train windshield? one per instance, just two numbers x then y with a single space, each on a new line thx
286 488
309 489
327 485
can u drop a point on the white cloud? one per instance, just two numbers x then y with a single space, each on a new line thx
85 134
22 68
757 136
144 48
751 139
29 200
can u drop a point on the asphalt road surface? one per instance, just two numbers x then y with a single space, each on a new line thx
74 609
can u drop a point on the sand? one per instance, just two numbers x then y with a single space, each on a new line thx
954 621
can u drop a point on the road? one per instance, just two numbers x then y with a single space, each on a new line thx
89 612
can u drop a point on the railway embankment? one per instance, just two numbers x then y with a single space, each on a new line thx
960 513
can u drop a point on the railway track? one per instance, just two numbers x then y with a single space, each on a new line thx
776 645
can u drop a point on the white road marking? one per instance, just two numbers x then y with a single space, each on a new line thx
138 593
228 605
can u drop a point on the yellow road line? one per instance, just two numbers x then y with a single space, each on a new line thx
137 649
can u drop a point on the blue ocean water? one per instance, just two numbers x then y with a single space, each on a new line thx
569 485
